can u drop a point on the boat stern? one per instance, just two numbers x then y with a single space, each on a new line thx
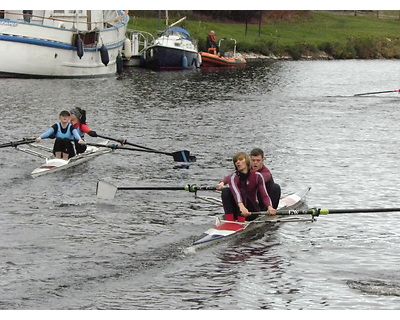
50 165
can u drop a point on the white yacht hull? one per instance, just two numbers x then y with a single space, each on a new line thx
49 47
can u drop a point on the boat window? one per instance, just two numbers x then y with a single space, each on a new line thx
172 32
88 38
67 12
91 38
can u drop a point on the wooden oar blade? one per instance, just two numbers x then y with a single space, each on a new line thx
183 156
105 190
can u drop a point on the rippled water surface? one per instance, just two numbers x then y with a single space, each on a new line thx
62 248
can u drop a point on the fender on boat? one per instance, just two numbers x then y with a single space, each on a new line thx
127 48
104 55
185 62
79 47
120 64
142 61
198 61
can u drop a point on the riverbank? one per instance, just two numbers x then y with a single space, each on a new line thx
314 35
255 56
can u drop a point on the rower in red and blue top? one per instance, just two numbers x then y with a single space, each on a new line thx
64 133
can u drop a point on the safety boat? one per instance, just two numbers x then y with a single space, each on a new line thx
229 59
62 43
173 49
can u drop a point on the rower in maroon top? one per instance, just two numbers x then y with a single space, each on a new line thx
246 187
257 164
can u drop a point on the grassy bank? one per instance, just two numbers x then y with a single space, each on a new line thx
314 35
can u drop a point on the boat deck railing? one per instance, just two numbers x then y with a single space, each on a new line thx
140 40
65 19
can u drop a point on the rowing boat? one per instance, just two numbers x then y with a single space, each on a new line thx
223 230
53 164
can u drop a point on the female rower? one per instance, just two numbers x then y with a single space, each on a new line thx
245 188
78 120
64 134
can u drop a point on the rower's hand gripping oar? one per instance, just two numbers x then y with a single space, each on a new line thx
376 92
315 212
17 143
179 156
105 190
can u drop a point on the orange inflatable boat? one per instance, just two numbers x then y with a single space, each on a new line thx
211 59
229 59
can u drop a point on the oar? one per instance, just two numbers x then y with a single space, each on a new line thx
317 211
17 143
376 92
107 190
179 156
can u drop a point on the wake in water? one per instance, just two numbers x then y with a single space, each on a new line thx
377 287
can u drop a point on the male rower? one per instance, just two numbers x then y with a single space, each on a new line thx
257 164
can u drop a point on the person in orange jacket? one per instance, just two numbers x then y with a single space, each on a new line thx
212 42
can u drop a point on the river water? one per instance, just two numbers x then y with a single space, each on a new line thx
63 248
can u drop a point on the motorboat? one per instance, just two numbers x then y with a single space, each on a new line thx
212 58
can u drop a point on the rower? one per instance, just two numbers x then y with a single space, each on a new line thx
65 133
245 188
257 164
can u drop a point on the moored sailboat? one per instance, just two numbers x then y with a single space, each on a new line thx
173 49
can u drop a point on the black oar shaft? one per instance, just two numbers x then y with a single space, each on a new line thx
316 211
107 190
333 211
151 188
190 188
376 92
179 156
115 146
122 141
17 143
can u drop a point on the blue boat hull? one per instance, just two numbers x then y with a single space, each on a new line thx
160 57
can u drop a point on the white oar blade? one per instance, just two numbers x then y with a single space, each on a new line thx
105 190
